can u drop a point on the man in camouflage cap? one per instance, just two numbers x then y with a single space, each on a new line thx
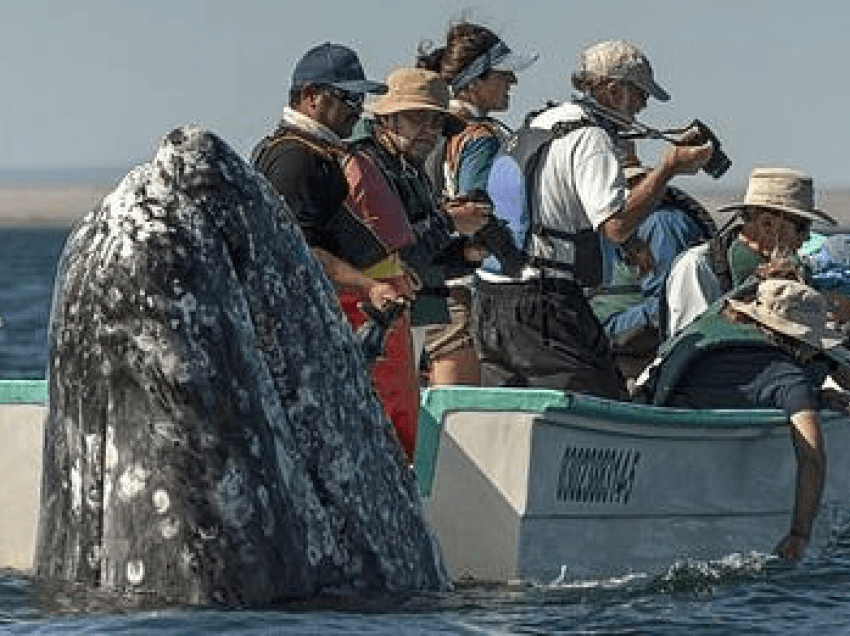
537 328
619 60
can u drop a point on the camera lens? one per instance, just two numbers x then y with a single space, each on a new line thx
718 164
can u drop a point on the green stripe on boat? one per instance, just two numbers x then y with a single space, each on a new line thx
23 391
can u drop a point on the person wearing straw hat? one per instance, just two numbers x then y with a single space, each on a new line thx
537 328
770 350
480 70
384 170
777 213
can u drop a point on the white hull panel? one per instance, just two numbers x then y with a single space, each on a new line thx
539 495
21 432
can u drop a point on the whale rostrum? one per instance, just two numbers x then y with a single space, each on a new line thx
213 436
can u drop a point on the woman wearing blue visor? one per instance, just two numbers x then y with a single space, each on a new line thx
480 70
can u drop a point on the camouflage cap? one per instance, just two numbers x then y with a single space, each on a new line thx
620 60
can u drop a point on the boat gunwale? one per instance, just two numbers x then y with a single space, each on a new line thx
23 391
590 413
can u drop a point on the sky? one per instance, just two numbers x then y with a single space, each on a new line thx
97 83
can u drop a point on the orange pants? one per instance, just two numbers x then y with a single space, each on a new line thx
393 375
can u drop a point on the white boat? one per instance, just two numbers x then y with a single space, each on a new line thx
525 484
22 413
540 485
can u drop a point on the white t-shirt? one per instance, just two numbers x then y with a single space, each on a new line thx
691 287
580 184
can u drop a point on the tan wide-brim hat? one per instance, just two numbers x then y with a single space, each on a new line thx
417 89
793 309
782 189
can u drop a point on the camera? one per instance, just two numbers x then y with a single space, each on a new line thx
499 241
719 162
496 236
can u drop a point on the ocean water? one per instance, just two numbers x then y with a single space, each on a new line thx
752 594
28 259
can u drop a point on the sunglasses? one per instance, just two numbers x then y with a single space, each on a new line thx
354 101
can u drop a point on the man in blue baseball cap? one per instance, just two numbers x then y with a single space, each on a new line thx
337 66
301 159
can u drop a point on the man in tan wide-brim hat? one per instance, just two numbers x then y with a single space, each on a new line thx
415 111
777 213
386 181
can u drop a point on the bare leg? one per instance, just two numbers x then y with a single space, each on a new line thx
458 367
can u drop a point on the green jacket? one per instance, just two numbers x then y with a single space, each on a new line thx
708 332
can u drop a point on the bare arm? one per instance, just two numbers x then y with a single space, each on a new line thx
811 470
345 276
645 195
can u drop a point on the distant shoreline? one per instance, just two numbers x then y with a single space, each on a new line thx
59 205
47 206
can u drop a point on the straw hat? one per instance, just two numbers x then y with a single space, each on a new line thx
620 60
782 189
417 89
793 309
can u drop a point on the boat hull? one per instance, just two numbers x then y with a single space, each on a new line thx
539 485
22 412
542 485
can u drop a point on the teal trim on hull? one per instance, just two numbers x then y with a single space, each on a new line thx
436 403
23 391
668 417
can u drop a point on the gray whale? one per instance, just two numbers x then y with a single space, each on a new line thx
212 434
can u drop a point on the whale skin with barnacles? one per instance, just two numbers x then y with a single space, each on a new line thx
213 436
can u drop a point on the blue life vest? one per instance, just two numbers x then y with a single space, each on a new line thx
830 264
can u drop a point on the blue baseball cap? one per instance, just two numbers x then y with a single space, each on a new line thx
334 65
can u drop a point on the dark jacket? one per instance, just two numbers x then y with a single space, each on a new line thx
432 228
305 170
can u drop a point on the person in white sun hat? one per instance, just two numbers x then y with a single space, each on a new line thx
480 69
773 349
777 213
